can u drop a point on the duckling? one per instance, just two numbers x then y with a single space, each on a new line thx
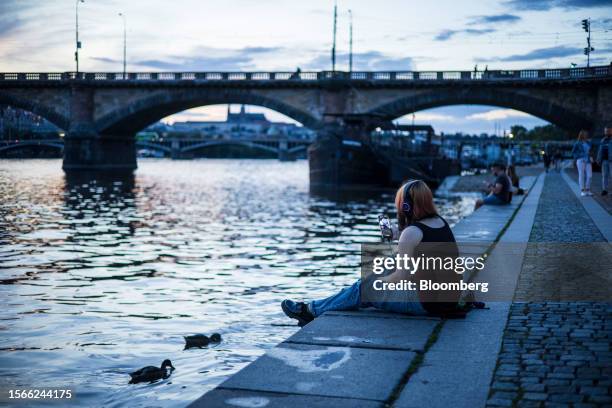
151 373
197 340
215 337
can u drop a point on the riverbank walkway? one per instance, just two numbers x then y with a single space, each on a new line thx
375 359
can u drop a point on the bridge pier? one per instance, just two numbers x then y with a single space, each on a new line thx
99 152
87 149
283 151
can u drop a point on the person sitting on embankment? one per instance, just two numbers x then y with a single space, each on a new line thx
419 224
499 191
515 180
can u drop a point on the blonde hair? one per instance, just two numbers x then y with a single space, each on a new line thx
421 199
583 135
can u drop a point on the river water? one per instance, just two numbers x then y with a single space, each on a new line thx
103 276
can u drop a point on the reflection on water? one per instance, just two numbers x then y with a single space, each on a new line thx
104 276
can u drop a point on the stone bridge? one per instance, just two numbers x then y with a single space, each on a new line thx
101 112
183 147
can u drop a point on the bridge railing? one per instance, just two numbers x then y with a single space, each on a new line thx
524 74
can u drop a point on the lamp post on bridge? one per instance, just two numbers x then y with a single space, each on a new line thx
122 15
350 12
78 43
333 56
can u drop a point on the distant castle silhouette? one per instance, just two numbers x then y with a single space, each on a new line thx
244 117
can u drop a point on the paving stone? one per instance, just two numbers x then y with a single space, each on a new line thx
533 387
326 371
504 386
241 398
371 332
499 402
536 396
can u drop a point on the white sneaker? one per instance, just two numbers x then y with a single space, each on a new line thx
589 193
583 194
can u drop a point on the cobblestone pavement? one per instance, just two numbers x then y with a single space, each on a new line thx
555 354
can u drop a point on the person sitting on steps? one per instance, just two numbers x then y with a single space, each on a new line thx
499 191
515 180
419 224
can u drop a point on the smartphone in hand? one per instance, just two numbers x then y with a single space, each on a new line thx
386 232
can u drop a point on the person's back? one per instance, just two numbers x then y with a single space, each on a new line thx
581 150
437 241
504 193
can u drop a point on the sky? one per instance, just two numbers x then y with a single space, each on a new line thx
280 35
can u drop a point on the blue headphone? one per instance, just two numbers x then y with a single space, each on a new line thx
407 203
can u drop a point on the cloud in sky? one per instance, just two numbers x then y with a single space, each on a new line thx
39 36
550 4
425 117
363 61
202 59
445 35
495 19
498 114
472 119
540 54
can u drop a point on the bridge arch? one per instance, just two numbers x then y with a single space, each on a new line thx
44 112
29 144
244 143
138 115
537 107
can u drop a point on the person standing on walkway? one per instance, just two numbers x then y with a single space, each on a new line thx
581 152
603 159
419 223
546 159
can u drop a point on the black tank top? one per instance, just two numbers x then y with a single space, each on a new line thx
431 234
438 242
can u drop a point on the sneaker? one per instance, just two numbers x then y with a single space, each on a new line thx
583 194
298 311
589 193
604 193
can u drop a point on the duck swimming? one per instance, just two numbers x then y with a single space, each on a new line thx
197 340
151 373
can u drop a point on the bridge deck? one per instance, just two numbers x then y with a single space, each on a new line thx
578 73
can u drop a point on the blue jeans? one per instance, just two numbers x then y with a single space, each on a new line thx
606 168
349 298
492 199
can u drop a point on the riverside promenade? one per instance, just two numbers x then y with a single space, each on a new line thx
370 358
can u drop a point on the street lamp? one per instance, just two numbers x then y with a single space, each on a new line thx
122 15
78 43
351 41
